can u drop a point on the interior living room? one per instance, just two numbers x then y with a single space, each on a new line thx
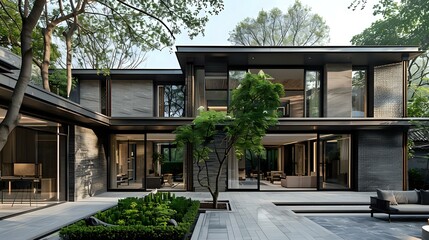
164 162
290 162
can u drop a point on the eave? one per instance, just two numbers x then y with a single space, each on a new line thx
295 56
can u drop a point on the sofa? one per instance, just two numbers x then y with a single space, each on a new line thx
299 182
400 202
275 176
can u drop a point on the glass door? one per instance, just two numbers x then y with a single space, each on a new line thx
334 162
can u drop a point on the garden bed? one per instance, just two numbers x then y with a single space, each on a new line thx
159 216
222 205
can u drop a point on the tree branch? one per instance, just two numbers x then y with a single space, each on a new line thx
150 15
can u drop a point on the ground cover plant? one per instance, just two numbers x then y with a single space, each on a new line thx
140 218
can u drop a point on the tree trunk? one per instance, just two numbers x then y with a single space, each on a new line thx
12 116
47 40
68 35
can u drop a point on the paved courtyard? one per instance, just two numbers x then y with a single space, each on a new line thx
253 216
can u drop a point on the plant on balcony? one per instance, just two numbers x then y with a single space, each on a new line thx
214 136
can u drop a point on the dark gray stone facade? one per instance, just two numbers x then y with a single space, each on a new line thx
213 166
379 160
87 164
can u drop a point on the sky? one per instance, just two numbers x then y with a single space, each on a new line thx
343 23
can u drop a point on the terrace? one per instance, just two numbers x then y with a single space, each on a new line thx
254 215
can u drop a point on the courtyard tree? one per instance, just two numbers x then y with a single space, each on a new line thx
298 27
159 21
216 136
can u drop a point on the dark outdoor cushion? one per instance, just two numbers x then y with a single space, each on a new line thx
424 196
387 195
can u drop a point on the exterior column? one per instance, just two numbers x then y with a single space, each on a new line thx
189 78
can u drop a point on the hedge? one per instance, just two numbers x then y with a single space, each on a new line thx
79 230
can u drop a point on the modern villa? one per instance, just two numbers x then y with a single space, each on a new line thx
343 123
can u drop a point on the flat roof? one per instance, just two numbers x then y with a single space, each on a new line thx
165 75
8 61
295 55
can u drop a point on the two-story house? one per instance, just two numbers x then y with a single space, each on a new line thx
343 122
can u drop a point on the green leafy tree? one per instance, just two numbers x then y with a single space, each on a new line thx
214 136
11 23
298 27
404 23
157 21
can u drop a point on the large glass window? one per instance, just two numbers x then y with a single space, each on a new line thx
146 161
359 87
335 161
172 100
292 104
32 163
312 93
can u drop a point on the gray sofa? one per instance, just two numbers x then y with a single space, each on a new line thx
299 182
400 202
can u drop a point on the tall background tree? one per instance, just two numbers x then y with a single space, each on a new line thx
10 30
157 21
404 23
298 27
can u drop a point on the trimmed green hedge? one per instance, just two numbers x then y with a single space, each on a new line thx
79 230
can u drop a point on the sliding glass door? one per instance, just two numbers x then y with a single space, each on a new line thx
334 162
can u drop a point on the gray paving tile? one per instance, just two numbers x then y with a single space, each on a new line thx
254 216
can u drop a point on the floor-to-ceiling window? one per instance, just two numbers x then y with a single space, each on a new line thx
335 161
312 93
359 89
33 162
292 103
146 161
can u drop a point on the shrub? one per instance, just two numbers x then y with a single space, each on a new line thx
140 218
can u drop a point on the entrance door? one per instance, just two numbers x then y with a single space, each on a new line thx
334 165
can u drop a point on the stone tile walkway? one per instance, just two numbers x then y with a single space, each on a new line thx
253 216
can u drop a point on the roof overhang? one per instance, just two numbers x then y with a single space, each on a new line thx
40 103
159 75
298 56
8 61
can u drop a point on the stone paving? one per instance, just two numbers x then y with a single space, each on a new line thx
362 227
253 216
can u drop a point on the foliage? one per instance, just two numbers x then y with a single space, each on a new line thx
297 27
11 23
416 180
58 82
115 31
404 23
154 208
418 106
215 135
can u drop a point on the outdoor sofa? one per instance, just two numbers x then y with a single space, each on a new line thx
400 202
